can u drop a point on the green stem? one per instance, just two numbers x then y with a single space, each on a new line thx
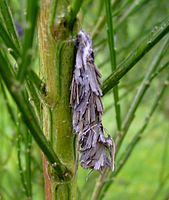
124 157
140 93
7 17
28 144
160 187
134 84
162 178
9 42
31 18
57 61
123 17
10 110
101 21
132 9
73 11
28 116
21 171
34 97
110 33
152 39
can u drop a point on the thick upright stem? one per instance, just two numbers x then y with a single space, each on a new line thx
57 59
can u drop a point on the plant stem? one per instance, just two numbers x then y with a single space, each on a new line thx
124 157
10 110
73 11
162 178
28 145
153 38
135 83
132 8
57 61
9 42
28 115
21 171
140 93
7 17
99 185
32 13
101 22
110 33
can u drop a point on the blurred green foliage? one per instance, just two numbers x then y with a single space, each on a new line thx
146 174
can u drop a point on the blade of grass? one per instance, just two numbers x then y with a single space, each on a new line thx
110 33
151 40
31 18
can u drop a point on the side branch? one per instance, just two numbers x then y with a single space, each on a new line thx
151 40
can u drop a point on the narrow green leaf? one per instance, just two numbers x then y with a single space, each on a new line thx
8 41
123 12
31 19
9 22
10 110
21 171
32 76
151 40
34 97
28 177
110 33
135 83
